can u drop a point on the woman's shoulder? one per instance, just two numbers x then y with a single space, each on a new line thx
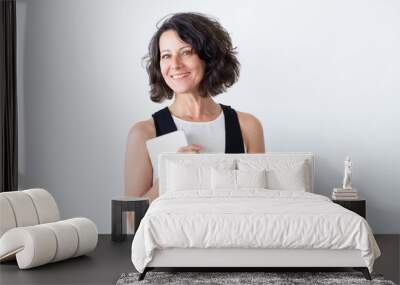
248 120
143 130
253 133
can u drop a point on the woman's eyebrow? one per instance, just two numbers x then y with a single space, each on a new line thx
167 50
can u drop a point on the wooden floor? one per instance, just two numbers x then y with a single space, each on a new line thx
111 259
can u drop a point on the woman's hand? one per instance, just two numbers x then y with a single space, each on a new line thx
192 148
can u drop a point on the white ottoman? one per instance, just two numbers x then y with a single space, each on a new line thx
31 232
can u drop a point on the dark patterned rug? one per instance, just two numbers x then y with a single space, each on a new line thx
269 278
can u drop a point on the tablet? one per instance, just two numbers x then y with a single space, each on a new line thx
170 142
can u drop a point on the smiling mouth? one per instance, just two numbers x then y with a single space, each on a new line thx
180 75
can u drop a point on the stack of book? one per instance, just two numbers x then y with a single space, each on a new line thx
344 194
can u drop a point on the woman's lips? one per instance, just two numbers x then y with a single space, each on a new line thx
180 75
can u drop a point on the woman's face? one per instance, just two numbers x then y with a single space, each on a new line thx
181 67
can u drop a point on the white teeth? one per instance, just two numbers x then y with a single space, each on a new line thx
179 75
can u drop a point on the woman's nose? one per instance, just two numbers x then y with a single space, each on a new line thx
176 62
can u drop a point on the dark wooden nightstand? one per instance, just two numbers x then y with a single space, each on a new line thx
119 205
357 206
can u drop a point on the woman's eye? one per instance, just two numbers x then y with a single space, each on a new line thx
187 52
165 56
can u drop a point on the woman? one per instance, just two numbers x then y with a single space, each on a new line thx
190 59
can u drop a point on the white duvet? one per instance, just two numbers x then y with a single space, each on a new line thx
250 219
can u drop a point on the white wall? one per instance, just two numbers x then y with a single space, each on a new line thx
322 76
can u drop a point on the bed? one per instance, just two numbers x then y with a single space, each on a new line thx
247 210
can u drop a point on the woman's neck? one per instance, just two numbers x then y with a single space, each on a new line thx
194 107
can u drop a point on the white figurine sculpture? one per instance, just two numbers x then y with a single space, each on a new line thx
347 174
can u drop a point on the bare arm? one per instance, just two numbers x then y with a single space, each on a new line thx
138 168
253 134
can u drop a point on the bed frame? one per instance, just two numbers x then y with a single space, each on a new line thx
246 259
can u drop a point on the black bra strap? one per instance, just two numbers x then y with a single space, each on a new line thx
164 122
233 134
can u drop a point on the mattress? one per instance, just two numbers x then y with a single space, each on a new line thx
250 219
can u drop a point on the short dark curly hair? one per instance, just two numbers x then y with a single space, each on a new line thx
211 42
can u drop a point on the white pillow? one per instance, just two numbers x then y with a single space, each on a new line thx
251 178
187 177
282 174
191 174
225 179
293 178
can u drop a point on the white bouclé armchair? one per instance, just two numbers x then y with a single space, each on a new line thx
31 231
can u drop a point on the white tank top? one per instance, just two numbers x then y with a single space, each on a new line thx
210 135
